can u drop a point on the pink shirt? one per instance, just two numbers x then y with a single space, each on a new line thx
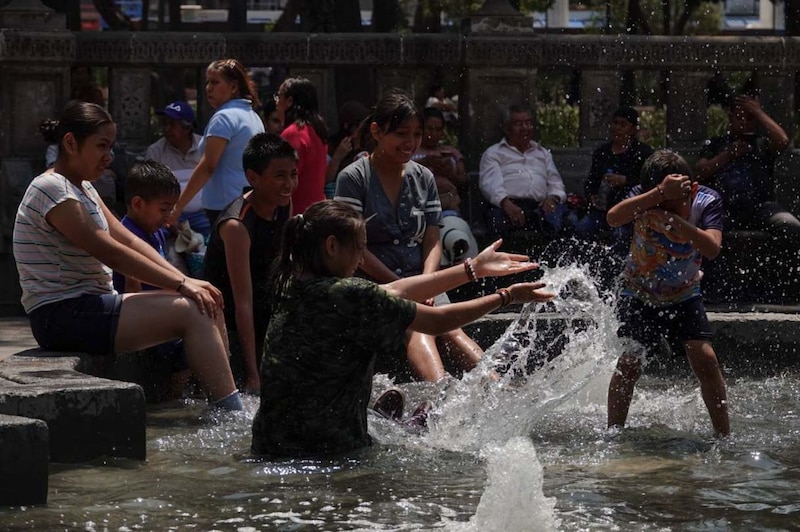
311 165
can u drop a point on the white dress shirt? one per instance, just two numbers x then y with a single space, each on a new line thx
505 172
181 164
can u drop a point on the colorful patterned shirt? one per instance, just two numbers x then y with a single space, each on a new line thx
662 269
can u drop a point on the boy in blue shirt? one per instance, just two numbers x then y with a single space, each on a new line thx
676 224
151 191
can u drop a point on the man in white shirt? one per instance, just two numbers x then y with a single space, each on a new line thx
520 180
178 150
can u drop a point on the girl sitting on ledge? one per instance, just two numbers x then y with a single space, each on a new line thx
66 243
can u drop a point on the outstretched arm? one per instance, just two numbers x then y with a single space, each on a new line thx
439 320
778 139
488 263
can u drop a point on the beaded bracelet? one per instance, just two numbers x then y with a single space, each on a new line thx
470 269
505 297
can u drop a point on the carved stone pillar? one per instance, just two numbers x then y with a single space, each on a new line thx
687 119
129 105
490 92
35 56
599 99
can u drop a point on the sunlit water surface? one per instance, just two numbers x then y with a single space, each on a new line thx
525 452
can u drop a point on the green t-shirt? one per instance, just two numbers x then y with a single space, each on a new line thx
319 354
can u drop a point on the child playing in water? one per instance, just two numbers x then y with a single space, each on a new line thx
326 329
676 224
66 242
151 190
243 243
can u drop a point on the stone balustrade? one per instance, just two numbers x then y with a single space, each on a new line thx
491 72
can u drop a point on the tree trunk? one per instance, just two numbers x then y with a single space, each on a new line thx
428 16
635 21
387 16
792 17
348 16
113 15
175 21
286 22
237 15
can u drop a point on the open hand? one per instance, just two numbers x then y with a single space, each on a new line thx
493 263
527 292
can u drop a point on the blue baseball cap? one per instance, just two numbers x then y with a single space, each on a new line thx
178 110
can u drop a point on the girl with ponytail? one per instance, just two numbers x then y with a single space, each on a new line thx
327 328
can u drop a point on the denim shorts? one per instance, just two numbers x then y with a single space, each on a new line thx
676 323
86 324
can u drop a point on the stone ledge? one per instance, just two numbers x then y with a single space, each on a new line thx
747 343
23 461
87 416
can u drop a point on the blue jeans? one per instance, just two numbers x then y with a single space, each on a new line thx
535 219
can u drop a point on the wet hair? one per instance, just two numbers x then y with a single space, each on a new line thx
304 235
262 148
305 106
49 131
394 110
150 180
233 71
432 112
79 118
661 164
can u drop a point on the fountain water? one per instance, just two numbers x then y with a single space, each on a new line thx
523 452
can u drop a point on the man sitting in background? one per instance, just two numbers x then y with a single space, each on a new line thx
520 180
177 150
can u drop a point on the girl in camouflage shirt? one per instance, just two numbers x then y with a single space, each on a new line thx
327 328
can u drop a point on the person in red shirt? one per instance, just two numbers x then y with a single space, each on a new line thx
306 131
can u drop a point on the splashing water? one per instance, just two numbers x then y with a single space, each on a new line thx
558 355
513 499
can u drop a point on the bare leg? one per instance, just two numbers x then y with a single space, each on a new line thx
704 363
460 349
620 389
423 357
153 318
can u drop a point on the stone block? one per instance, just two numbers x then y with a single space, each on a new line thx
23 461
87 417
753 344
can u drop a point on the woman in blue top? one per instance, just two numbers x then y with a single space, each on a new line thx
219 173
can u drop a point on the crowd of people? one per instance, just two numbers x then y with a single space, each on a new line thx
360 233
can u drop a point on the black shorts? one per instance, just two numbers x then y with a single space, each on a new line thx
648 325
85 324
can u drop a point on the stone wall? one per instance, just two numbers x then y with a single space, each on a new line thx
491 70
